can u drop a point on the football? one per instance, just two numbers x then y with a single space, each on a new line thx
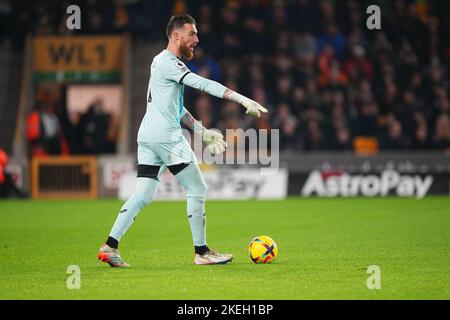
263 249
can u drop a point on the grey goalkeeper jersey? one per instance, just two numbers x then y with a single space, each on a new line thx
165 106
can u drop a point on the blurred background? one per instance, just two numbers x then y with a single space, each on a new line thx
346 100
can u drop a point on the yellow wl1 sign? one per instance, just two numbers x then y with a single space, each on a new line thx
78 54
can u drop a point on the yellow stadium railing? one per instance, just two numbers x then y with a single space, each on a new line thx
64 177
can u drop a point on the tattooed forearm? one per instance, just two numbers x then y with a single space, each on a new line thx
227 93
188 120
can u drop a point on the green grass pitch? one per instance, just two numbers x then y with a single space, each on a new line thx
325 247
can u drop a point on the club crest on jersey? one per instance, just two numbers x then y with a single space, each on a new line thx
180 65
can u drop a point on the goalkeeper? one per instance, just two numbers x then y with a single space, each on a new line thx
161 144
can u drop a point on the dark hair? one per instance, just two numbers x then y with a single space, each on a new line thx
178 21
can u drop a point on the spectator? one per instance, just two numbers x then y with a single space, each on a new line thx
121 19
287 123
442 132
394 139
314 137
44 132
7 184
329 68
332 36
421 137
93 127
304 44
279 16
358 66
341 139
406 110
203 104
289 136
202 64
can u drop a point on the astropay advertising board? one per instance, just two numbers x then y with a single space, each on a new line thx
223 184
371 184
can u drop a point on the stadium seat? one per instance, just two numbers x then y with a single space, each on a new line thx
365 145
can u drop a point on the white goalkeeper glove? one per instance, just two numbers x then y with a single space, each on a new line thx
213 140
253 107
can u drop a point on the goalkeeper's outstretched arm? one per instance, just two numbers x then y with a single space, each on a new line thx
218 90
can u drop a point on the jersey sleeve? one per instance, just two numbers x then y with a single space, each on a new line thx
198 82
176 70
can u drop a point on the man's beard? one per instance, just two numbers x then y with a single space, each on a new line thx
186 52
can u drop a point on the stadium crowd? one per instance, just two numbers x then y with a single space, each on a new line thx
325 77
